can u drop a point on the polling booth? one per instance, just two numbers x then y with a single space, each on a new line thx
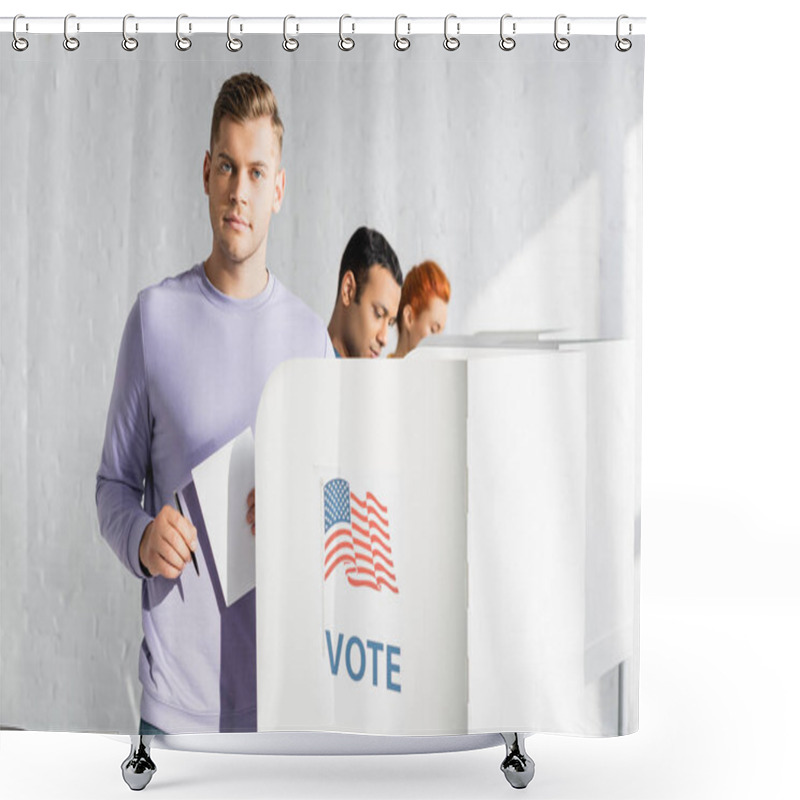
445 555
453 536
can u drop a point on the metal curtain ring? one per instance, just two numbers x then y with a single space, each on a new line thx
129 43
233 44
18 43
623 45
507 42
70 42
561 43
451 42
289 44
345 42
400 42
183 43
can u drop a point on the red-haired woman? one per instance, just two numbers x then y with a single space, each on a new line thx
423 306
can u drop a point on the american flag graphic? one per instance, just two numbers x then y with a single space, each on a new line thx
357 537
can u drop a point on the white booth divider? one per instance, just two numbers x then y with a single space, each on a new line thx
452 536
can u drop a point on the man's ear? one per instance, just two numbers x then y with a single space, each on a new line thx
206 171
280 188
348 292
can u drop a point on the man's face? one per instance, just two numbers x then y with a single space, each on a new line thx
367 321
431 319
244 182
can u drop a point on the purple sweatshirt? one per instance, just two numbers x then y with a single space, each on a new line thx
191 368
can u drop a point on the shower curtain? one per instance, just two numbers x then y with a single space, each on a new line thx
500 459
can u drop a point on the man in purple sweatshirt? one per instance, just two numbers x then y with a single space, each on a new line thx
196 352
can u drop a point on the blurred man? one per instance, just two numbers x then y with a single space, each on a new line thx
370 281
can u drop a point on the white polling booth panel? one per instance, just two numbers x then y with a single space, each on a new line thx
354 654
452 535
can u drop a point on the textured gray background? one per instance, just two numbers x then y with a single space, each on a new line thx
519 172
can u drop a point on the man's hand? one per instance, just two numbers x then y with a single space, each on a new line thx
167 543
251 510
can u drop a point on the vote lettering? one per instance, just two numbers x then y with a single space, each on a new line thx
375 660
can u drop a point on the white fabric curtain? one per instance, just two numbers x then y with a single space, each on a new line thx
518 172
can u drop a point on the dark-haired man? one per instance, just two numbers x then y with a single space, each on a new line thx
370 281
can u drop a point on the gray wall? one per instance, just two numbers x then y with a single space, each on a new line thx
519 172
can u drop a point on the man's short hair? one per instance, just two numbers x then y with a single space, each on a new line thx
365 248
244 97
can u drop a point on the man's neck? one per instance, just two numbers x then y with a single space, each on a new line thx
338 344
240 281
333 332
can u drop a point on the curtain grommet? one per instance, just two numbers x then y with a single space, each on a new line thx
71 43
451 43
19 43
401 43
290 44
561 43
622 44
183 43
346 43
507 43
233 44
129 43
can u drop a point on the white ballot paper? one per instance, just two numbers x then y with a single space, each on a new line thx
223 482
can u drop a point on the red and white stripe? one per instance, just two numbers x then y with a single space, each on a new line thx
373 565
339 548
